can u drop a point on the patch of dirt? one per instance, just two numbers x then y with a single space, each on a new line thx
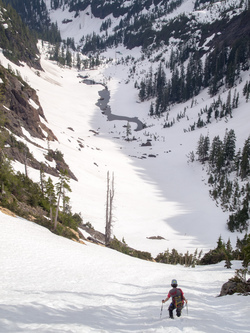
7 211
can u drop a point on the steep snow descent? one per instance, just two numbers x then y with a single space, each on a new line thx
51 284
157 192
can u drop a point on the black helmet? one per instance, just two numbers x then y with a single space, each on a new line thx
174 283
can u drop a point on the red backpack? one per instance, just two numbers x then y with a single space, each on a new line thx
177 297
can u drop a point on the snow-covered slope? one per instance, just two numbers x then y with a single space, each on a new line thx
51 284
154 196
77 24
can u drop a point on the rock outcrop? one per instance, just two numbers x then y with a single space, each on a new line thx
233 286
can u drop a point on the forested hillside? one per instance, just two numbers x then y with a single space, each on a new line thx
35 15
20 111
17 42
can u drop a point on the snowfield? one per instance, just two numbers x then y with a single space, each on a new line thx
157 192
50 284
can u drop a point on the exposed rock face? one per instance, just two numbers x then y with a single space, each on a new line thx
22 107
95 236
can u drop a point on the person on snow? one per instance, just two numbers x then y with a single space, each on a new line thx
177 299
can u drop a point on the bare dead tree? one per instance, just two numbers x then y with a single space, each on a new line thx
107 211
109 208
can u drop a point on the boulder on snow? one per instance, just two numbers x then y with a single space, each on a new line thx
232 287
228 288
147 144
156 237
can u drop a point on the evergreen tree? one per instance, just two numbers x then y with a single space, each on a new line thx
245 165
149 84
151 110
216 153
229 248
6 174
176 86
229 146
68 58
220 244
207 72
51 197
160 85
183 97
61 187
246 90
228 108
246 251
239 221
216 255
203 147
42 177
235 100
228 263
36 16
78 61
215 68
142 92
194 76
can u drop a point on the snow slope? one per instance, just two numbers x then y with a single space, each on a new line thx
50 284
154 196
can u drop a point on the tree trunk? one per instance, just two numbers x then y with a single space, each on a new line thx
109 209
57 210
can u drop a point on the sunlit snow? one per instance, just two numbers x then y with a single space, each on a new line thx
50 284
